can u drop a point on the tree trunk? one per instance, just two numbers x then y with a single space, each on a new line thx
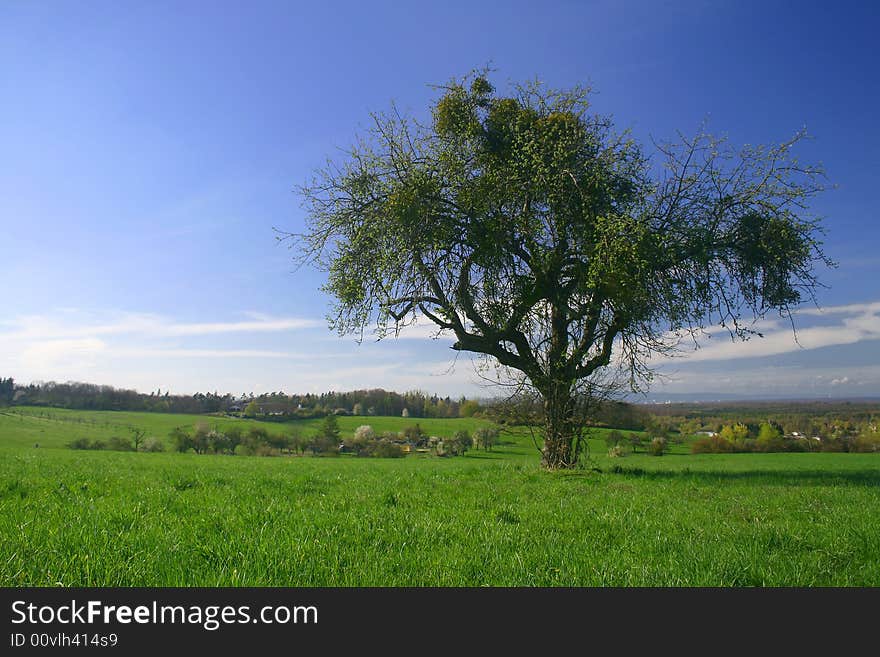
560 434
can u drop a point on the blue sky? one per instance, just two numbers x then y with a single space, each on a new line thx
148 150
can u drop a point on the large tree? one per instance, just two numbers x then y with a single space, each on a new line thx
552 245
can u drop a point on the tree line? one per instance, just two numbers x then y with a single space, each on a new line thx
89 396
326 441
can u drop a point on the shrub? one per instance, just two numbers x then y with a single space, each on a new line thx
152 444
657 446
217 442
388 450
80 443
120 444
460 443
795 446
615 451
265 450
323 444
835 444
712 445
415 435
866 443
360 445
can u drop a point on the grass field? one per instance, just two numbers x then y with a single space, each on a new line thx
87 518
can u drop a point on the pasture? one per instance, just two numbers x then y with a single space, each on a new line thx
101 518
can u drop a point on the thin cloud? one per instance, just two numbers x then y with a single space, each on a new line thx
284 324
424 330
209 353
68 326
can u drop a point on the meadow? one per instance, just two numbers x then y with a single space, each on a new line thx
102 518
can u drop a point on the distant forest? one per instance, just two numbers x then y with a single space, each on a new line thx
804 416
281 406
89 396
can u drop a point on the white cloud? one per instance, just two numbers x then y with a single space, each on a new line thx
211 353
852 323
72 345
64 354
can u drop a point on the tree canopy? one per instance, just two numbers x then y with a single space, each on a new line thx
541 237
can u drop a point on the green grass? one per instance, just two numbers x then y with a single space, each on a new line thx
77 518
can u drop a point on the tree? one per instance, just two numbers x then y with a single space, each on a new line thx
137 437
468 408
688 428
281 442
635 440
181 439
252 409
735 433
330 429
233 439
7 390
545 241
256 440
769 438
297 441
201 440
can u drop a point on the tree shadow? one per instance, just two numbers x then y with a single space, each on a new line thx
861 477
